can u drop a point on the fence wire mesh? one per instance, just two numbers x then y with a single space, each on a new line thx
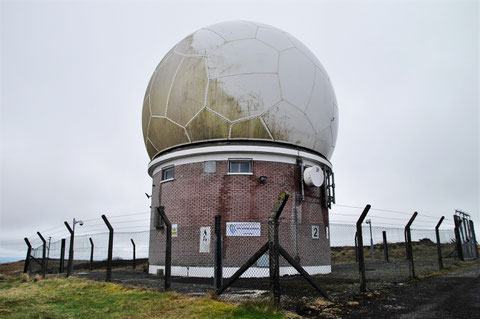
122 251
329 255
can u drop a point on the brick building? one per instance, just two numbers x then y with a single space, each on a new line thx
234 114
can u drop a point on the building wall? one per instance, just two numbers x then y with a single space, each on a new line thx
194 197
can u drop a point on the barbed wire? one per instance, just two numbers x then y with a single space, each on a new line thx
97 227
115 216
391 211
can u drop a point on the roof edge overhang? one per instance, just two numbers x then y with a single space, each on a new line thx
284 152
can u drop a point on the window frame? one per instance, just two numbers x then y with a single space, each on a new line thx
240 160
165 170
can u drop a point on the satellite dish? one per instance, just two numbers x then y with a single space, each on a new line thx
313 176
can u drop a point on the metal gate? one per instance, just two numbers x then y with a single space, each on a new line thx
465 236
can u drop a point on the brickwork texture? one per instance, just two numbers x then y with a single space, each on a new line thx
194 197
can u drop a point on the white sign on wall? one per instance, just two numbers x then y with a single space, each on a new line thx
244 229
205 239
315 232
174 230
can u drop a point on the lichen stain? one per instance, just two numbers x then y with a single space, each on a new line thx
278 125
163 133
250 129
150 149
223 103
207 126
188 91
161 84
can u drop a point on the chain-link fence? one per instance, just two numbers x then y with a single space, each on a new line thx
386 261
328 254
91 252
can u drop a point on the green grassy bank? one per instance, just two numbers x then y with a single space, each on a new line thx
25 297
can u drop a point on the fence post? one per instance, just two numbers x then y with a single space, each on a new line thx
70 251
168 248
273 247
44 253
110 248
27 259
385 246
91 252
361 257
62 256
218 255
409 249
134 260
439 245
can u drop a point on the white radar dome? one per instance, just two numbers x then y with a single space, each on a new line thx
313 176
240 80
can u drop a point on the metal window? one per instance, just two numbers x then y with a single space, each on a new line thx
240 166
167 173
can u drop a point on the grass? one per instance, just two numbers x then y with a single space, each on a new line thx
425 249
25 297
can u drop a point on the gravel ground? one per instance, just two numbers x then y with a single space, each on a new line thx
453 294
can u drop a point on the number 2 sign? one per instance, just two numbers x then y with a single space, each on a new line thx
315 232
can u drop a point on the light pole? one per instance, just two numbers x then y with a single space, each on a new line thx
48 249
369 222
70 262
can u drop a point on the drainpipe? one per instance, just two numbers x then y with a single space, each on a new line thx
300 162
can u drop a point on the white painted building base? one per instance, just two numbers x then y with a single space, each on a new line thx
252 272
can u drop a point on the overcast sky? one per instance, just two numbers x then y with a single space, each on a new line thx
74 74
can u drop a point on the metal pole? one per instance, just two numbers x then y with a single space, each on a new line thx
274 268
356 247
134 261
361 257
168 255
70 251
409 249
218 256
110 248
372 251
48 250
385 246
62 256
243 268
168 250
302 272
44 251
91 252
27 259
273 246
439 245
